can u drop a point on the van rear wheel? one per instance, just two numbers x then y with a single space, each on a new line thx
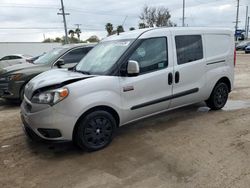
219 96
95 131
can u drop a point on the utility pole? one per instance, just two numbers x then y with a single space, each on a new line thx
64 21
183 14
124 20
247 31
246 24
237 15
78 26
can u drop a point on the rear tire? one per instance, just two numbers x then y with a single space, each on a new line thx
218 97
95 131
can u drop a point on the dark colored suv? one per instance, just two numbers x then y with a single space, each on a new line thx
14 78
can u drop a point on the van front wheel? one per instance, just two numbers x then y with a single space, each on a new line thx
219 96
95 131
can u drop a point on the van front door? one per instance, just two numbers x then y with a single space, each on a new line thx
189 70
148 92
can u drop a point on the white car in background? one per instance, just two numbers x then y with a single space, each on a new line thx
14 59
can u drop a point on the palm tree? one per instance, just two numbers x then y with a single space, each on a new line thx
71 33
119 29
78 32
142 25
109 28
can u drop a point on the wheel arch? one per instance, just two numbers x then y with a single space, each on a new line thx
109 109
225 80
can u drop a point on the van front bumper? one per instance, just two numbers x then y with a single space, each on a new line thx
46 124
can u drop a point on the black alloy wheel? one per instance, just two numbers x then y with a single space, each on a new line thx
219 96
96 130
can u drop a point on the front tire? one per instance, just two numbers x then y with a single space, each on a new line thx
95 131
219 96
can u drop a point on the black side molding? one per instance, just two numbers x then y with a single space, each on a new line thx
188 92
215 62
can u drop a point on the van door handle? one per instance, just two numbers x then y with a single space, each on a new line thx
170 78
177 77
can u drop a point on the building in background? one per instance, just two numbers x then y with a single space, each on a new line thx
29 48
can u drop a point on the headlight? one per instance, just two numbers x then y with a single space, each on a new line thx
50 97
3 79
15 77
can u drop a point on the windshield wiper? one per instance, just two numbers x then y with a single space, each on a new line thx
83 72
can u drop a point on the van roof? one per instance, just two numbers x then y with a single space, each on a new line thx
136 33
78 45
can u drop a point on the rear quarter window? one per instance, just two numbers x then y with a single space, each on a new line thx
217 45
188 48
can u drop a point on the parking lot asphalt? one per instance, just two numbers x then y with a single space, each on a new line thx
187 147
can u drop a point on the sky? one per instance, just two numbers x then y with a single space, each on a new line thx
32 20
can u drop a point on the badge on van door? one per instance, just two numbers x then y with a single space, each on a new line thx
128 88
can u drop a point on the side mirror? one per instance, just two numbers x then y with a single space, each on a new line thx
60 63
133 68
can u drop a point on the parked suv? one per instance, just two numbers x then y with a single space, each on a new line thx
126 78
13 79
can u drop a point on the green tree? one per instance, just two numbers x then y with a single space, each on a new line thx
156 16
93 39
71 33
78 33
142 25
119 29
48 40
58 39
109 28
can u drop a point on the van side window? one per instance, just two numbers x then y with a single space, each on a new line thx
151 55
189 48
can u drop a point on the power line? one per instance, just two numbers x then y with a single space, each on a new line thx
64 22
47 28
28 28
37 6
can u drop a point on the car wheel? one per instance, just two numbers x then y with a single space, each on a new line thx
219 96
95 131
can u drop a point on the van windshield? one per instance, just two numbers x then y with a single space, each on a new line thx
102 57
49 57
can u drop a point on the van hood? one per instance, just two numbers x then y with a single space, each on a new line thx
52 79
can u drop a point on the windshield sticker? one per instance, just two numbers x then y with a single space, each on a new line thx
124 43
56 52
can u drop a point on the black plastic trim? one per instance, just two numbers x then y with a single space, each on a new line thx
215 62
188 92
33 136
